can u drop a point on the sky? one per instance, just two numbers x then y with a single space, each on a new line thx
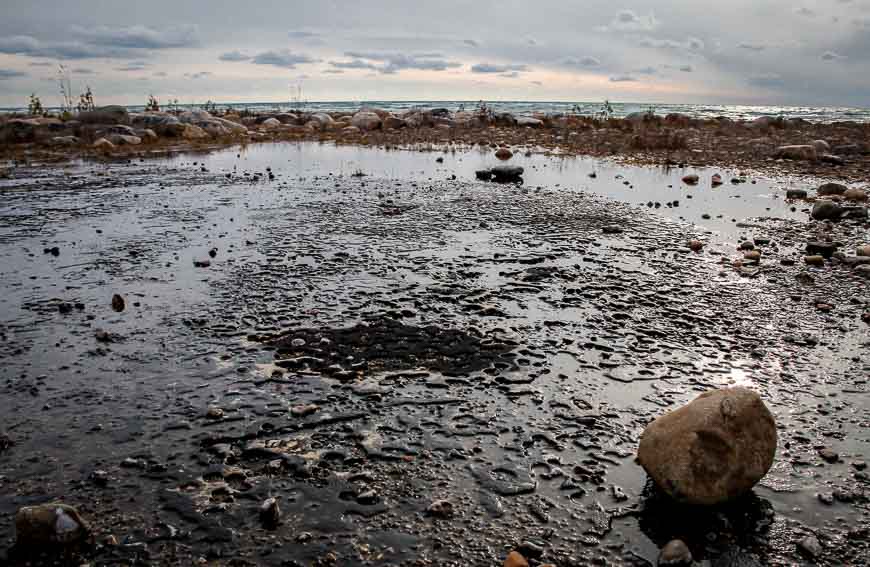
754 52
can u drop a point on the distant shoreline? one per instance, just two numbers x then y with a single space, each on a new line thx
820 114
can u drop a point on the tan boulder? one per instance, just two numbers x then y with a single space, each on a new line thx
855 194
713 449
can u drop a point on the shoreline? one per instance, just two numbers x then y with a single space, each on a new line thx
839 151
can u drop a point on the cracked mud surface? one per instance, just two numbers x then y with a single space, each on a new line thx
360 347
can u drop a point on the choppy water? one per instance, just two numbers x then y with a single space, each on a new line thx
735 112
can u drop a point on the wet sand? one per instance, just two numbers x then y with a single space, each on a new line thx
361 346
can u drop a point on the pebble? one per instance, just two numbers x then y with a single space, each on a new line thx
810 546
515 559
829 455
675 552
440 509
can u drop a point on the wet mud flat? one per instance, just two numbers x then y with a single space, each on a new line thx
419 369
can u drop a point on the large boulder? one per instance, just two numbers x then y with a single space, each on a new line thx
855 194
529 122
19 131
800 153
49 525
271 124
213 125
321 121
712 450
366 121
105 115
391 122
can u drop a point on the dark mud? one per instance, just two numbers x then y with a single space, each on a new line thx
363 346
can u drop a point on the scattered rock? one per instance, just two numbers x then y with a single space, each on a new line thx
692 179
814 260
713 449
831 189
855 194
824 249
716 180
826 210
366 121
105 115
829 455
797 152
675 552
863 250
796 194
611 229
201 263
695 245
103 144
440 509
49 525
515 559
810 546
214 413
270 513
118 303
504 154
507 174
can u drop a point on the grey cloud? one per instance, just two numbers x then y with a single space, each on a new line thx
832 56
32 47
390 63
134 66
804 11
353 64
492 68
629 20
41 64
586 62
140 37
752 46
645 71
233 56
200 75
623 79
282 58
161 74
687 69
83 71
691 44
511 75
11 74
471 42
333 71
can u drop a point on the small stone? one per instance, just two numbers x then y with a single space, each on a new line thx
814 260
515 559
303 410
440 509
611 229
691 179
675 552
832 189
214 413
810 546
795 194
201 263
695 245
753 256
504 154
829 455
716 180
118 303
270 513
863 250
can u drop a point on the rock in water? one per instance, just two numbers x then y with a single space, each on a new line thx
118 303
507 174
49 524
504 154
713 449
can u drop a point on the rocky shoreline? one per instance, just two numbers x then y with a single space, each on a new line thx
838 150
230 359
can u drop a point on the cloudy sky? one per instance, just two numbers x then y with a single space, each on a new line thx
802 52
